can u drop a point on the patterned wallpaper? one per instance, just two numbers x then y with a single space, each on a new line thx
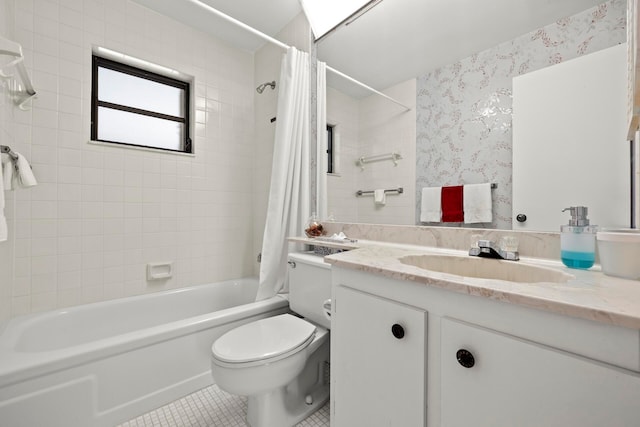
464 109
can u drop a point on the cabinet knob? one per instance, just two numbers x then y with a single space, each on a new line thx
521 217
397 331
465 358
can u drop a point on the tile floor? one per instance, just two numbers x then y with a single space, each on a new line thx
211 407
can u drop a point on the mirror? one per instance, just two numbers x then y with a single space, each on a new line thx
453 63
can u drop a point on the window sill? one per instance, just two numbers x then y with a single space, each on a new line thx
137 148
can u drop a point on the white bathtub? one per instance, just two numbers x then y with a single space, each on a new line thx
104 363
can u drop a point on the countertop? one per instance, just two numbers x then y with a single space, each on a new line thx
590 294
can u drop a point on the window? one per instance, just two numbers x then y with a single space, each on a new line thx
133 106
330 148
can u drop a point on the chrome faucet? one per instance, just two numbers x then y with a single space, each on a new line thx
489 249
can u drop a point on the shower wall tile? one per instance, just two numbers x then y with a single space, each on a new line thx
100 213
464 130
343 113
385 128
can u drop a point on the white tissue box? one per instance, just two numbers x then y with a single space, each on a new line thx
619 253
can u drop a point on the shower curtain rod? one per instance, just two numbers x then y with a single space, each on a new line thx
286 46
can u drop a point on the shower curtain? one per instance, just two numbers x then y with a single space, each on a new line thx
322 159
288 208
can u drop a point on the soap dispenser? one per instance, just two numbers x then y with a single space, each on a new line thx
578 239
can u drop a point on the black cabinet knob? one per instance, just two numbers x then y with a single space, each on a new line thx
465 358
521 217
397 331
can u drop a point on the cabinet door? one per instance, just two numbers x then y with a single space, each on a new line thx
378 370
519 383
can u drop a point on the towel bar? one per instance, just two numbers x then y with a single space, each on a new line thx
14 51
398 190
493 185
7 150
394 157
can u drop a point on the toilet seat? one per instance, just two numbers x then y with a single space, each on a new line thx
263 341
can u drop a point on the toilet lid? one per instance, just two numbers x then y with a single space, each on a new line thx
263 339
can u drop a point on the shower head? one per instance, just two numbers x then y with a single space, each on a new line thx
263 86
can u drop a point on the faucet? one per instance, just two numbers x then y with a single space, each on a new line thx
489 249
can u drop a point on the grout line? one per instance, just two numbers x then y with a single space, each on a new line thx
211 407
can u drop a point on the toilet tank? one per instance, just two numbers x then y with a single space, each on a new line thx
309 286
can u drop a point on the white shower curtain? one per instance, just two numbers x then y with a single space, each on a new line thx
322 159
288 208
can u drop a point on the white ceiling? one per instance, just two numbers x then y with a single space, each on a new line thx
267 16
396 40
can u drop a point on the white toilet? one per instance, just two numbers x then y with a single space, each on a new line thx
282 363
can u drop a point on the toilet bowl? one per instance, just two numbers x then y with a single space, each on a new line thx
281 363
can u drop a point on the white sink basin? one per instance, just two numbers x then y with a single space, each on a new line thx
485 268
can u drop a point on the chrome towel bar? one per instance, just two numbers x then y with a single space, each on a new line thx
398 190
7 150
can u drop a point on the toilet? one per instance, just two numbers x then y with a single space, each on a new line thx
281 363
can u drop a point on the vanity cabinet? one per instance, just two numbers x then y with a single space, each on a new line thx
380 352
493 379
472 361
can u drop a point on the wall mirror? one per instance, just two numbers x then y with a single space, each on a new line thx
453 63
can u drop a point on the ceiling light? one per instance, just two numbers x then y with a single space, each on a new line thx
325 15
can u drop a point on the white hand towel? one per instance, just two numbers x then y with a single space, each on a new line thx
3 220
7 172
379 197
431 204
477 203
25 174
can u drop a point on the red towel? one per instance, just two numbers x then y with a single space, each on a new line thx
451 199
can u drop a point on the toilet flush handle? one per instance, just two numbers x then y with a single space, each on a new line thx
326 307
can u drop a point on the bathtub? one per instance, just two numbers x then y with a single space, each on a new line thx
104 363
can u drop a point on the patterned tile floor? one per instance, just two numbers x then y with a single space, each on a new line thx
211 407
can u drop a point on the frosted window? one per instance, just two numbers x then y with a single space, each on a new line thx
130 128
136 92
138 107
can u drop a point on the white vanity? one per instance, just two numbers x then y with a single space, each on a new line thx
415 347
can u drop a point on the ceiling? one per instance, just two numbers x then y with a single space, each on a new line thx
267 16
396 40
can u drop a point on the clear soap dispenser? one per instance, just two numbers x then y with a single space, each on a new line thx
578 239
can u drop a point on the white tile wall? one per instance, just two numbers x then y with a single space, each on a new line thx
267 68
343 112
101 213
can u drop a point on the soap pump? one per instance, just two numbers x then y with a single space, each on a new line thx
578 239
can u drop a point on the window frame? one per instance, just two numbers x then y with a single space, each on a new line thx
102 62
330 149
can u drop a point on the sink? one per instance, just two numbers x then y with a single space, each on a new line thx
484 268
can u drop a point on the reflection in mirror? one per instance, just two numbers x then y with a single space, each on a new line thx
460 130
373 127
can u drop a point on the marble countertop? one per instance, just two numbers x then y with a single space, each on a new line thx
589 294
